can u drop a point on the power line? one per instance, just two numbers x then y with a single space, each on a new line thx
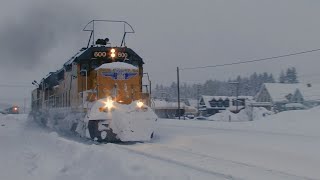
251 61
15 85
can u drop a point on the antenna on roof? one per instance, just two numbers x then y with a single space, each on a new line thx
92 30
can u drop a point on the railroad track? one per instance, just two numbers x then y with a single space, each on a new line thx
217 167
242 131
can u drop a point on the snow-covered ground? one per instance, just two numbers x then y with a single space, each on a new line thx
280 146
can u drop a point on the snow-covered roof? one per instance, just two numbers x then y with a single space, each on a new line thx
162 104
193 102
294 105
206 99
279 91
311 92
116 65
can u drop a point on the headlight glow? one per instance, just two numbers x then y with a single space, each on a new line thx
139 104
108 104
113 53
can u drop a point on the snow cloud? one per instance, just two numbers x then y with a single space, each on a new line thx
28 37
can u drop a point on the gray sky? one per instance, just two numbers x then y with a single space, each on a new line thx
38 36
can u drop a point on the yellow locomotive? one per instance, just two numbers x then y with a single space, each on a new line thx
98 94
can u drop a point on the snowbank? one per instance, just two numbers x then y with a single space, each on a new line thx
248 114
116 65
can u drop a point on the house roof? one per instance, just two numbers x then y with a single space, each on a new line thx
193 102
311 93
206 99
162 104
279 91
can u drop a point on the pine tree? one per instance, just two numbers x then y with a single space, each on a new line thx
282 78
271 79
247 86
265 77
294 77
291 75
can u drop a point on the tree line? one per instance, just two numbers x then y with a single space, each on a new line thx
243 86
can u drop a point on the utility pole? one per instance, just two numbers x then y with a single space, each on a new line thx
237 93
178 87
198 98
24 105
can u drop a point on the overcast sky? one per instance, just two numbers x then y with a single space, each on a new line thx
38 36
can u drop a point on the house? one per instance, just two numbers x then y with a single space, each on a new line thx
280 96
307 95
165 109
275 95
210 105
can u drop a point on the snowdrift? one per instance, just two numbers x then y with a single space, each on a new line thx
248 114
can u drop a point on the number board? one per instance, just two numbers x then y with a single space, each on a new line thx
104 54
100 54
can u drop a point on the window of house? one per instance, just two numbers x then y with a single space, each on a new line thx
226 103
220 103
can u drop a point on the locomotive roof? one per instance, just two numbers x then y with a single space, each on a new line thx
85 54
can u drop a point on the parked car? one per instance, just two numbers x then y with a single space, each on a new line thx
190 116
201 118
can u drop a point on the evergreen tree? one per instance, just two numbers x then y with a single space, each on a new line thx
271 79
292 75
265 77
248 86
282 78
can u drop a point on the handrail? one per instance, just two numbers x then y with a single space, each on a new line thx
92 30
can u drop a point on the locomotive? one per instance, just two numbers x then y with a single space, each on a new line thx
98 93
11 110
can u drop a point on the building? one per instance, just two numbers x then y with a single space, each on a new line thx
307 95
280 96
210 105
165 109
274 96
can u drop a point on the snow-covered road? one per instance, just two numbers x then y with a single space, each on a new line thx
282 146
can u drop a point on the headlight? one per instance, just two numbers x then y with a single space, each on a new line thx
108 105
113 53
141 107
140 104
